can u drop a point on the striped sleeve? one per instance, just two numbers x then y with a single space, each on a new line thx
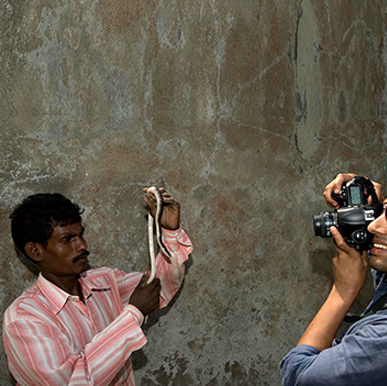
171 274
59 363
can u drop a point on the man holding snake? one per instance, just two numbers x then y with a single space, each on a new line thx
359 358
79 326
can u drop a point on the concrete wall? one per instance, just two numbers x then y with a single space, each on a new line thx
245 110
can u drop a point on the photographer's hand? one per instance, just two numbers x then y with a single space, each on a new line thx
349 268
336 184
350 272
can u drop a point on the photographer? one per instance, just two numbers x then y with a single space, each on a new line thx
359 357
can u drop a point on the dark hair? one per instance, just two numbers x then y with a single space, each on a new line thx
36 217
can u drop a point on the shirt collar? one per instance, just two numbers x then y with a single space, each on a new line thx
58 298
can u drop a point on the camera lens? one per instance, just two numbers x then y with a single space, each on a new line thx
317 224
321 223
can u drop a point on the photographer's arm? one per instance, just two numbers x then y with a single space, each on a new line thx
314 362
350 272
336 184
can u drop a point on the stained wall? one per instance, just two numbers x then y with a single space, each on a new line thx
244 110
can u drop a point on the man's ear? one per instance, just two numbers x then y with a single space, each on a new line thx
34 251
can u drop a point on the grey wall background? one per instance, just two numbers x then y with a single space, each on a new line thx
245 110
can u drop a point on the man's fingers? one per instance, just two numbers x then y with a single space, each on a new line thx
169 201
144 278
342 246
156 284
167 198
335 186
378 191
339 241
150 203
328 195
364 257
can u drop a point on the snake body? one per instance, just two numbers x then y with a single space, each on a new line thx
157 196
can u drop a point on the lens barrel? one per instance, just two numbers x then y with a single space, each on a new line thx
322 222
317 224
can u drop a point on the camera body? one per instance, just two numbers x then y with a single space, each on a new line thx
353 216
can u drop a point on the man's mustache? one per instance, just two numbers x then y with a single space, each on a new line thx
83 255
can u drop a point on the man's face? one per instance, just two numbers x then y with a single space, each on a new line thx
66 252
378 251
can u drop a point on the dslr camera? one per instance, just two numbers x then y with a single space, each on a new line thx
354 214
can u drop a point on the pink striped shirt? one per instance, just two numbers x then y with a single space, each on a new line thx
52 338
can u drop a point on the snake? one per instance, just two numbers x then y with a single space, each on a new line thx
158 198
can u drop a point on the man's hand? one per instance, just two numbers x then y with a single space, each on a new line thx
170 217
336 184
350 272
146 297
349 268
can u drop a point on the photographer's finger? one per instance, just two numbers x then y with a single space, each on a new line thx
335 186
337 183
329 189
339 240
341 178
328 197
364 257
378 189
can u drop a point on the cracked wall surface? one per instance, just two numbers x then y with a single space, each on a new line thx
243 110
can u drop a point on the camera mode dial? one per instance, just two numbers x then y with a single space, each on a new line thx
359 236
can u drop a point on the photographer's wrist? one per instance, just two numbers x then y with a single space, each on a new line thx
325 324
345 296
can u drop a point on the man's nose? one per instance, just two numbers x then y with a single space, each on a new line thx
81 244
379 225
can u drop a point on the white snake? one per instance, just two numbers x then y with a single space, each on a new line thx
158 198
159 208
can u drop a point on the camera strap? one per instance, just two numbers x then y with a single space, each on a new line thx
367 183
379 305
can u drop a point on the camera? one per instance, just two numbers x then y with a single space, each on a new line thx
354 214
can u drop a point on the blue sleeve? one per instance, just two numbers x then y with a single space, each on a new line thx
358 360
296 363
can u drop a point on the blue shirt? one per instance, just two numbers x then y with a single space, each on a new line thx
359 358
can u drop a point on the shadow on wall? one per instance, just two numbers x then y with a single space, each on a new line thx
139 359
29 264
12 381
321 262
